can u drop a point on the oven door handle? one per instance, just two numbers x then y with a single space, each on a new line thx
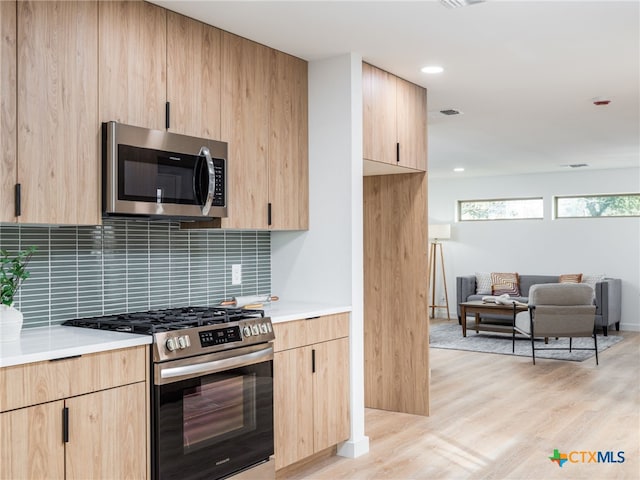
174 374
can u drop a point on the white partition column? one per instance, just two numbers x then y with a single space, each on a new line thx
325 264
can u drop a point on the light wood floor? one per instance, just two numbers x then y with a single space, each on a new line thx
500 417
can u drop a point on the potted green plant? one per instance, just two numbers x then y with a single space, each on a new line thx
13 271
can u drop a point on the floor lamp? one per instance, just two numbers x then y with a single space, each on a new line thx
437 233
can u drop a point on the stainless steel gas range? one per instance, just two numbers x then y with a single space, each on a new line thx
212 392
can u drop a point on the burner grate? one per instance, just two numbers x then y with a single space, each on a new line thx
154 321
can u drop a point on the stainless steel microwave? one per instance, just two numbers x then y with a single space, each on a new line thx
158 174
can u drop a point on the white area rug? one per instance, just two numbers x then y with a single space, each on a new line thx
449 335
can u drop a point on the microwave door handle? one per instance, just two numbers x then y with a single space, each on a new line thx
204 151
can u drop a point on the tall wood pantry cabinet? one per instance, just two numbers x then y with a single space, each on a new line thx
394 120
395 244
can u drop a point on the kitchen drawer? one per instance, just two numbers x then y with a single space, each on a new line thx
299 333
39 382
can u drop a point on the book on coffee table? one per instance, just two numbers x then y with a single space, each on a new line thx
504 299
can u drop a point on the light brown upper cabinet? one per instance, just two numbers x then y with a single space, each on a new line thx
288 144
8 92
245 126
57 117
194 76
412 124
132 56
264 120
159 69
394 120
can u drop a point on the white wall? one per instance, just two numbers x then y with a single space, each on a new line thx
324 264
584 245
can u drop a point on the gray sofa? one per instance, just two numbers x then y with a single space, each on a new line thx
608 298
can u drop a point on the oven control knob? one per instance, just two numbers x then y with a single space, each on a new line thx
171 344
182 343
269 329
187 341
263 328
255 330
247 331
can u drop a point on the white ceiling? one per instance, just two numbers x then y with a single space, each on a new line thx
523 73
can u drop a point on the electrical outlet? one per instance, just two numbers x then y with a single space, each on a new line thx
236 274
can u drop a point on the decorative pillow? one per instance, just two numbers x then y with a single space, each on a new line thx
502 283
592 279
570 278
483 283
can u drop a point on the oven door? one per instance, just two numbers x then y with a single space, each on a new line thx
213 414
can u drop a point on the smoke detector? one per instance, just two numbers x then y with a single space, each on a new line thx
459 3
575 165
599 101
450 111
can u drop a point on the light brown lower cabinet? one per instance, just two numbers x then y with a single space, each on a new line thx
31 442
311 387
76 434
107 432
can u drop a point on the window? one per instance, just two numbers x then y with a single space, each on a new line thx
500 209
620 205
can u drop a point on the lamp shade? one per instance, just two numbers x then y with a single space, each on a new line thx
440 232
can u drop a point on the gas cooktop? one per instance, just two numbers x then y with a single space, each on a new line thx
155 321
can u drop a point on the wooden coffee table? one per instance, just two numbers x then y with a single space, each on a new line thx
478 307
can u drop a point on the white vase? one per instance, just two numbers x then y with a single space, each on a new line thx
10 323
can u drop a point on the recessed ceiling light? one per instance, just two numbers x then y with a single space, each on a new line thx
432 69
450 111
458 169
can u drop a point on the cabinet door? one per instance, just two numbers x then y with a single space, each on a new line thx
132 57
293 406
58 164
31 444
412 125
7 110
193 76
245 126
107 434
379 115
331 393
288 144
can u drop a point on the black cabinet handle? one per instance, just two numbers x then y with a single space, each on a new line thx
167 113
269 213
65 424
313 361
398 152
18 198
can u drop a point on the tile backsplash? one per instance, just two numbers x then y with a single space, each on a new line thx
128 266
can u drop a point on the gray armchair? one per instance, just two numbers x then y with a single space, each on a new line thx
558 310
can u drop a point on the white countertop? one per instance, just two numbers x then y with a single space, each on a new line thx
48 343
286 311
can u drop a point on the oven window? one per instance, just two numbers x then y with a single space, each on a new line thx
218 410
